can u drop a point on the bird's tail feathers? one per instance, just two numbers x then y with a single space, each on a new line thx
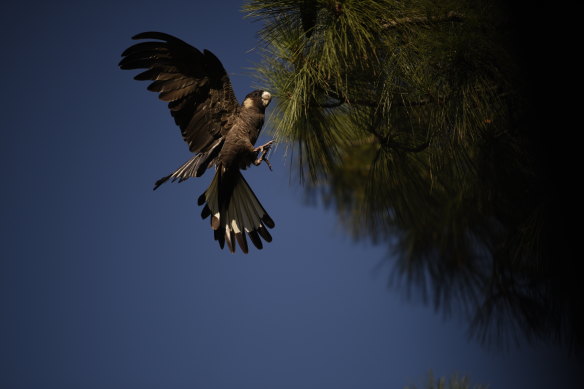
235 212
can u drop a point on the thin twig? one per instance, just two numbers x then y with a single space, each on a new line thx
387 141
451 16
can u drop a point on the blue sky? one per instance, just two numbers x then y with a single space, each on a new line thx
107 284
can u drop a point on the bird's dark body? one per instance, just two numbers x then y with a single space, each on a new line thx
238 149
221 132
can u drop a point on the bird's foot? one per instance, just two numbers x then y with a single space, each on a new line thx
264 148
262 151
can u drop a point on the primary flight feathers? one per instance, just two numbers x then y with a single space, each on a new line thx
219 130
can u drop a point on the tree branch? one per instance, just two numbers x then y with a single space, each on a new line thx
451 16
340 100
387 141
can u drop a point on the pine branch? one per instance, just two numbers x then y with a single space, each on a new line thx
340 100
388 141
451 16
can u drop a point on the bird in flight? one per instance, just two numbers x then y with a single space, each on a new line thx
218 130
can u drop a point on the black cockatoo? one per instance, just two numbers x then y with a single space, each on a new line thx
219 130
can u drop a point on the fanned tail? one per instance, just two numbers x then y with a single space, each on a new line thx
235 212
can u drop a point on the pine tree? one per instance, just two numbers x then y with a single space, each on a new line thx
413 119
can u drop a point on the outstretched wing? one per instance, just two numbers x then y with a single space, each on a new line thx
195 85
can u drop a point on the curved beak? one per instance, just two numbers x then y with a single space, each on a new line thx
266 98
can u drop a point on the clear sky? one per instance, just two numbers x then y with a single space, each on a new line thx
107 284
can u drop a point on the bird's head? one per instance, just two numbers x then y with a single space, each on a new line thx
257 98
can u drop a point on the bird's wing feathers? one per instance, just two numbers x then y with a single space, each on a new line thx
194 83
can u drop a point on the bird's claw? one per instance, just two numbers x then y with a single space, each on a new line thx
263 150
